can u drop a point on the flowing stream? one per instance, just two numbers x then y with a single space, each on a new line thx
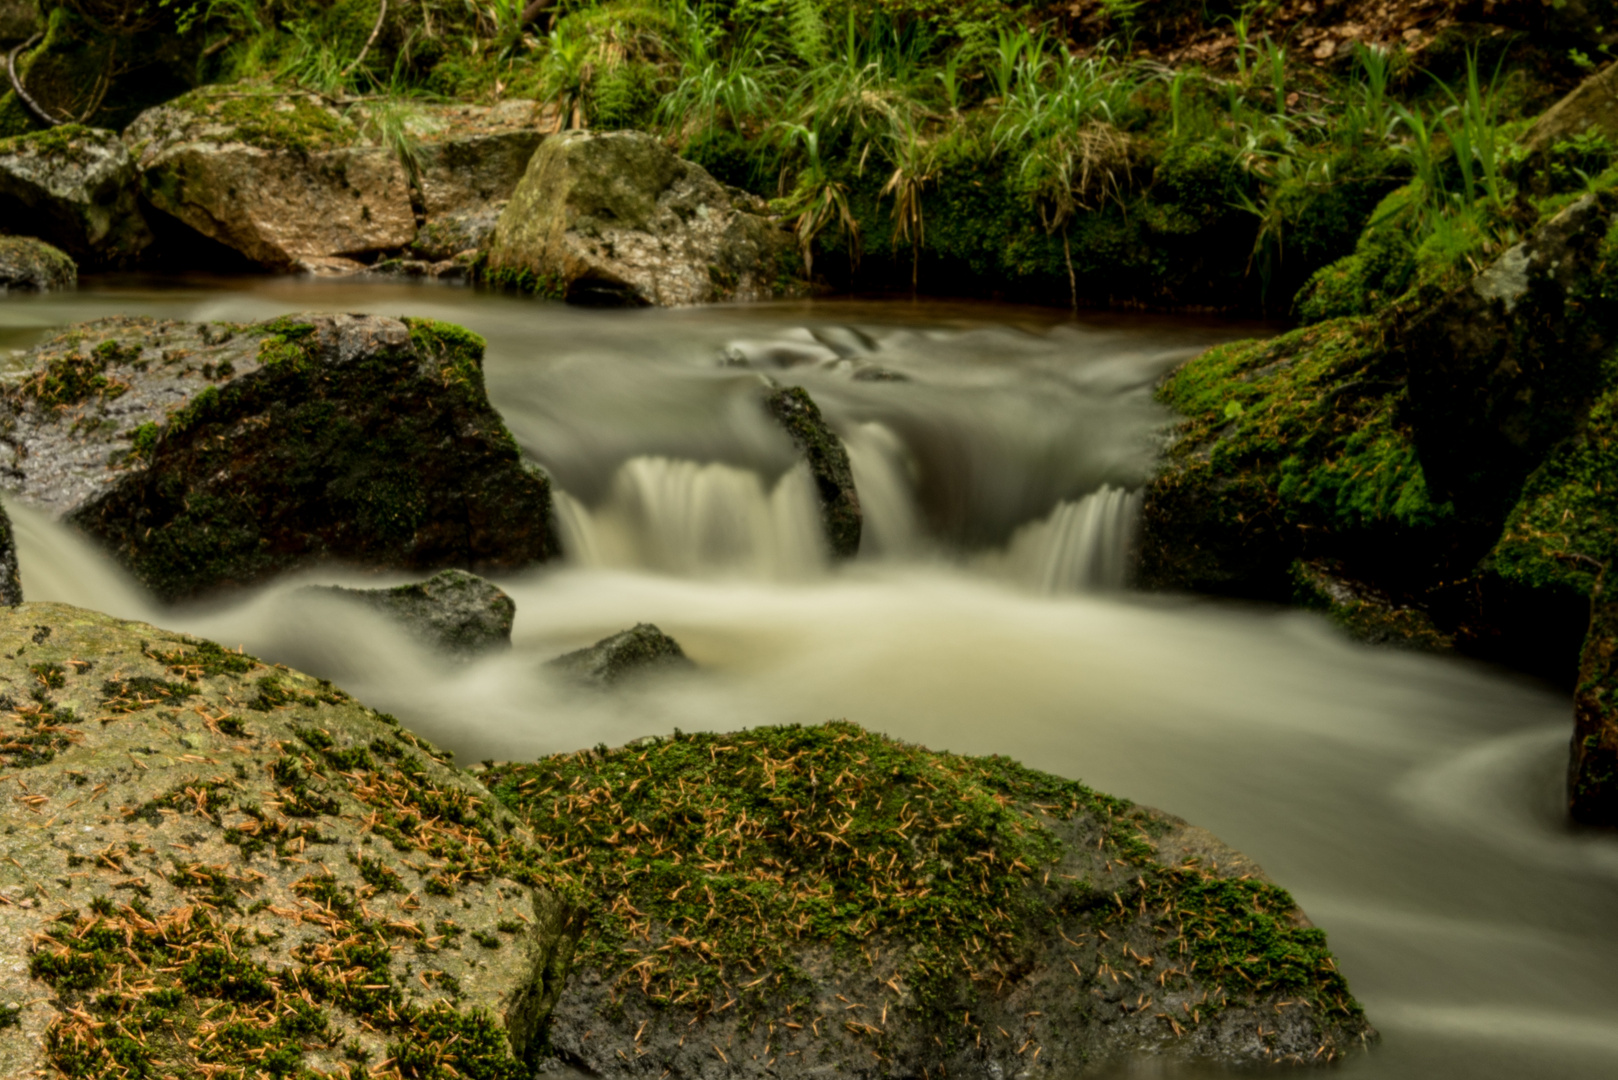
1410 803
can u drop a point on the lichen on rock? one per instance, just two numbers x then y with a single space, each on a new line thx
213 864
206 455
780 901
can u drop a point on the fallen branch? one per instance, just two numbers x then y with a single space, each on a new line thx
23 95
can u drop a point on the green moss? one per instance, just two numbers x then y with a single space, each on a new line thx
269 119
141 692
523 280
1564 529
1309 417
703 853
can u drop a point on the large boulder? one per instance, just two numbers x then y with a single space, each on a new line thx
26 263
637 651
1507 366
197 835
75 188
474 156
453 611
617 218
824 453
802 901
206 455
283 178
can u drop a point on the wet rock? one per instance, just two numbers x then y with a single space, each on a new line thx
10 579
874 909
617 218
204 832
1364 611
211 455
420 269
279 177
796 411
1506 367
1592 772
636 651
73 187
454 611
26 263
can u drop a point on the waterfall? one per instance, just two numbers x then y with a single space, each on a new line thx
884 475
694 519
1083 546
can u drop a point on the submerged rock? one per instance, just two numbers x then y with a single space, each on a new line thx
202 832
283 178
26 263
636 651
617 218
849 903
73 187
823 451
206 455
453 610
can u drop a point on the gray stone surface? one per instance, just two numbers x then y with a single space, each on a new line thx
617 218
29 264
453 611
184 820
75 188
639 650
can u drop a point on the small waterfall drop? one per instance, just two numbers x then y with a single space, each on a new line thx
884 476
689 518
1083 546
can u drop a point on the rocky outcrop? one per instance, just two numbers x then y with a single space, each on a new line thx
637 651
453 611
1592 108
26 263
1503 369
823 452
849 903
208 455
617 218
73 187
10 579
194 831
283 178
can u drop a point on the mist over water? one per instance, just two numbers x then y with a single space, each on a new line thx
1410 803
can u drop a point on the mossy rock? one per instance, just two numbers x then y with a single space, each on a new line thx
618 219
213 864
281 177
29 264
75 188
792 900
213 455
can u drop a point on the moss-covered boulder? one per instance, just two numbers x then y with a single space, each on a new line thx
211 865
1507 366
802 901
210 455
824 453
283 178
643 649
453 611
617 218
75 188
29 264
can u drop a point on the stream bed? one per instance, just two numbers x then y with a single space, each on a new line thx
1412 804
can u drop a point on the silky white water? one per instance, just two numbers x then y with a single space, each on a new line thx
1410 803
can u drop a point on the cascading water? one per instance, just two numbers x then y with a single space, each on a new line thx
1409 802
